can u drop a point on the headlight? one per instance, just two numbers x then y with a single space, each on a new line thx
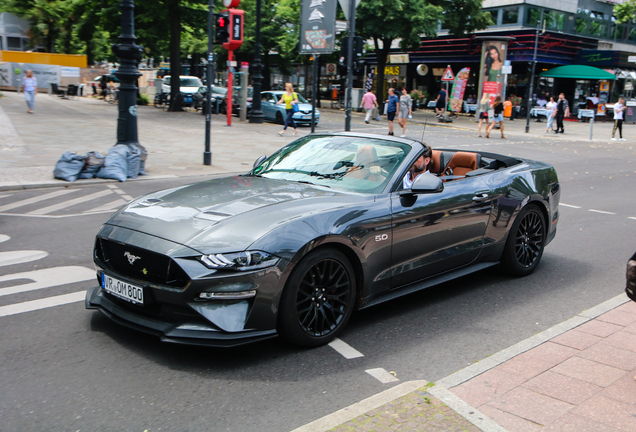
241 261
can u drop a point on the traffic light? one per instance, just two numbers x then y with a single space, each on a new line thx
358 49
222 26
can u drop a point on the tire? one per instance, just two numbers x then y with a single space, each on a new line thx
279 118
318 299
525 243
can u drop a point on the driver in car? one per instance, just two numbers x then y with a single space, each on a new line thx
419 167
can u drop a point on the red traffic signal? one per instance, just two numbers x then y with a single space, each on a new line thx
222 21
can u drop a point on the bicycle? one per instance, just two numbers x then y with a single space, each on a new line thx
162 100
112 96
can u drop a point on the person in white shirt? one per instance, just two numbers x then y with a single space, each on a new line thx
551 107
29 88
419 167
619 107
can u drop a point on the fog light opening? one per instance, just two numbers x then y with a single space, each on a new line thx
236 295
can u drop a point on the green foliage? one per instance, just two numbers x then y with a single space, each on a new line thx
463 16
142 99
625 12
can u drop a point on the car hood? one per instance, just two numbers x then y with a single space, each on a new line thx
188 90
306 107
226 214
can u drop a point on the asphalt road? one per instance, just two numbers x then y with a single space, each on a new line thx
65 368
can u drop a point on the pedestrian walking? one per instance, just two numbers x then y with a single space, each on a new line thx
406 111
369 101
484 106
290 99
29 88
392 103
551 108
440 103
619 107
497 107
562 111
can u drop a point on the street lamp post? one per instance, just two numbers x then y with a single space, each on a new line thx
534 65
256 115
129 54
207 154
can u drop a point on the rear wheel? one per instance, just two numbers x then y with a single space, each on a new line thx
318 299
526 242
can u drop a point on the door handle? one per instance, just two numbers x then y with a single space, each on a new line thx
480 197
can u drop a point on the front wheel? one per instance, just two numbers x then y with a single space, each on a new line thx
525 243
318 299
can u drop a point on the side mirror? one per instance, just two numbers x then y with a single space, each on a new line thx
427 183
259 161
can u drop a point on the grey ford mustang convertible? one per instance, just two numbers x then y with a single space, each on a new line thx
319 228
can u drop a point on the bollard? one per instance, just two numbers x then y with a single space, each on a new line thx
591 127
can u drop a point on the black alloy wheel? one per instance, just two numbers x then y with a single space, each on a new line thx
318 299
526 242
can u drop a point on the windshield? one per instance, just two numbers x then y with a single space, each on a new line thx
236 91
353 164
190 82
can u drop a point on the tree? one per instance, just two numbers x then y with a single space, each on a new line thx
625 12
387 20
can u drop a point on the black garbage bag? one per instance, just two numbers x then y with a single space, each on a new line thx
116 164
94 162
69 166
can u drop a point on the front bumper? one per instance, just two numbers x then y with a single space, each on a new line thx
190 333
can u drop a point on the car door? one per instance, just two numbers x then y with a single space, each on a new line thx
266 105
437 232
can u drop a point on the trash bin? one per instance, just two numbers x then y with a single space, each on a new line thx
630 111
507 109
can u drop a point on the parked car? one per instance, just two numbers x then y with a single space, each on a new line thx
321 227
630 287
218 94
188 85
276 113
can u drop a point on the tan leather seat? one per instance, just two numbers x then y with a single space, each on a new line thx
366 157
463 162
436 166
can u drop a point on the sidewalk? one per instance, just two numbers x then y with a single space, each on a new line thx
577 376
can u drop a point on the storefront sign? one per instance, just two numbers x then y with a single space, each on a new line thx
422 69
391 70
548 42
459 87
438 71
399 58
604 86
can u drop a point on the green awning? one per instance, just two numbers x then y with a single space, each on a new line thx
578 72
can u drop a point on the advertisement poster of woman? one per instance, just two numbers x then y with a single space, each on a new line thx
492 61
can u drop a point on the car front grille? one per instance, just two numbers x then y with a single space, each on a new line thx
140 264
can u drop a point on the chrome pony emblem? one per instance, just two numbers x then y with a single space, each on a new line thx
131 258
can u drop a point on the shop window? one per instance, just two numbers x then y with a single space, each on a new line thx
14 44
533 16
554 20
596 14
583 11
510 15
580 26
617 32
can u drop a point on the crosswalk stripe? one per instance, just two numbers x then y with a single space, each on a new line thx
36 199
47 278
109 206
4 238
5 195
70 203
42 303
19 257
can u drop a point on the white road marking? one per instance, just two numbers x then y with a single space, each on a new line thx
109 206
47 278
19 257
5 195
70 203
345 349
36 199
631 217
568 205
54 216
4 238
381 375
42 303
601 211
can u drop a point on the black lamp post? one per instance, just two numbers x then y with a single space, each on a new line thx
129 54
534 65
256 115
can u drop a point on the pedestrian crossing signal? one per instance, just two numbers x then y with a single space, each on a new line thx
222 27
